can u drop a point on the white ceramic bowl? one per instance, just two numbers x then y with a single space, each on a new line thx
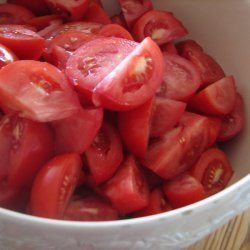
222 27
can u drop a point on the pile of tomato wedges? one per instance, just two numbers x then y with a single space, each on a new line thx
109 117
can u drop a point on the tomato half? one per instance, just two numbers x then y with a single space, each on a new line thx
25 43
31 146
90 208
133 9
178 149
161 26
76 133
127 189
217 98
233 123
213 170
6 56
69 9
184 190
104 155
58 178
134 81
181 79
37 90
209 69
14 14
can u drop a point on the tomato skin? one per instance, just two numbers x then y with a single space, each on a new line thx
104 155
166 114
233 123
70 10
128 184
25 43
209 69
6 56
96 14
90 208
76 133
134 127
132 10
217 98
134 81
42 22
24 81
120 20
14 14
213 170
215 124
178 149
169 48
161 26
181 79
31 147
183 190
58 177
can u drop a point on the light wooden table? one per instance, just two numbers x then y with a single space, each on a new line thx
233 236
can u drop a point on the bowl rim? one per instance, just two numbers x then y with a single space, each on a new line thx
197 207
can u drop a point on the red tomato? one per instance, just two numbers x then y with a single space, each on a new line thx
166 114
127 189
115 30
6 56
157 204
42 22
213 170
51 28
180 80
93 61
161 26
25 43
217 98
233 123
38 7
133 9
134 81
14 14
214 129
69 9
31 145
90 208
178 149
76 133
37 90
209 69
169 48
104 155
134 126
96 14
120 20
184 190
58 178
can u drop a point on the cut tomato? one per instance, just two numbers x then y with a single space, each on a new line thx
37 90
58 178
42 22
184 190
6 56
104 155
90 208
76 133
25 43
214 129
115 30
128 184
161 26
213 170
180 80
209 69
217 98
120 20
169 48
233 123
178 149
134 81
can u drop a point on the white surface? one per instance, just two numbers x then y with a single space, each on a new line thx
222 27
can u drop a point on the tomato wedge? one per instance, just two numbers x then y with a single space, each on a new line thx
58 178
128 184
134 81
161 26
24 42
213 170
37 90
184 190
